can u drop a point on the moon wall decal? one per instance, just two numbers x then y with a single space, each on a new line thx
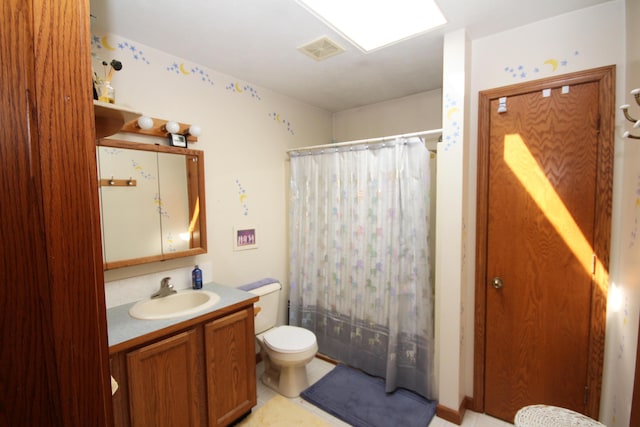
553 63
183 70
106 44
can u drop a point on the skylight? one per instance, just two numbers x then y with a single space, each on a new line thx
372 24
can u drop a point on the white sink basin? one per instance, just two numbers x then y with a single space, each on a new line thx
175 305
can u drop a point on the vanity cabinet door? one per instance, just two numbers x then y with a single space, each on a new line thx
166 386
231 367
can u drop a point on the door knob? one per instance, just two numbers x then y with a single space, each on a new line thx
497 282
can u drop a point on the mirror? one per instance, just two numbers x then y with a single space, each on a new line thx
152 202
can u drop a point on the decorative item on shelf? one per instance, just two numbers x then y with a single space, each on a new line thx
629 117
102 85
106 92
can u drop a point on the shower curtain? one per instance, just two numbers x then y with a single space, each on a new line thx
359 258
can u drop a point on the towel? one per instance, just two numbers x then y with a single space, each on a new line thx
253 285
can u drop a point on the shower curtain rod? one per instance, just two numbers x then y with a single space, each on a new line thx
364 141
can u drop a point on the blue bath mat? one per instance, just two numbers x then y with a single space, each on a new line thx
360 400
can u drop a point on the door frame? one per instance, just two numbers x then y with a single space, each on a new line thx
605 76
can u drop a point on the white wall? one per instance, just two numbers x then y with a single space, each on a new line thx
246 132
415 113
451 219
624 293
588 38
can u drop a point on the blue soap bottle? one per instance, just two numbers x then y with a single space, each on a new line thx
196 278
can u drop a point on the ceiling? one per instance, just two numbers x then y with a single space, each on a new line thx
257 41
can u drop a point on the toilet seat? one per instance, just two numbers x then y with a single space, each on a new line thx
289 339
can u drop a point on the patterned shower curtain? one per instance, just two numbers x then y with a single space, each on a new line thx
359 258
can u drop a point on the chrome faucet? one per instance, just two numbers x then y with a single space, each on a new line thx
166 289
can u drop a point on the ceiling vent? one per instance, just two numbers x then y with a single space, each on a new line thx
321 49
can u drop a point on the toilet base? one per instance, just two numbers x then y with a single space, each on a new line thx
289 381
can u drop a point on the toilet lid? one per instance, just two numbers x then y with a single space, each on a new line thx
289 339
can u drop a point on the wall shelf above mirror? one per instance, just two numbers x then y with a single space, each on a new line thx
159 218
111 119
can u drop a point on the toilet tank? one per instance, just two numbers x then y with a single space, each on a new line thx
269 293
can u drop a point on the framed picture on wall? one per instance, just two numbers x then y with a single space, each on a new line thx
244 238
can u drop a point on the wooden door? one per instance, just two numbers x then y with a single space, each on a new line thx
231 367
544 239
166 386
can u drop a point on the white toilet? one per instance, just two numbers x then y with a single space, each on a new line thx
285 350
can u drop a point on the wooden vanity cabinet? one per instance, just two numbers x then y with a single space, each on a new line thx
203 375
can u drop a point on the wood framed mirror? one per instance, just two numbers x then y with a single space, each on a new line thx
152 202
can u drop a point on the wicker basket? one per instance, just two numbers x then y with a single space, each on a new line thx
552 416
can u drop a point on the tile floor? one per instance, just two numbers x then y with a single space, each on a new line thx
318 368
